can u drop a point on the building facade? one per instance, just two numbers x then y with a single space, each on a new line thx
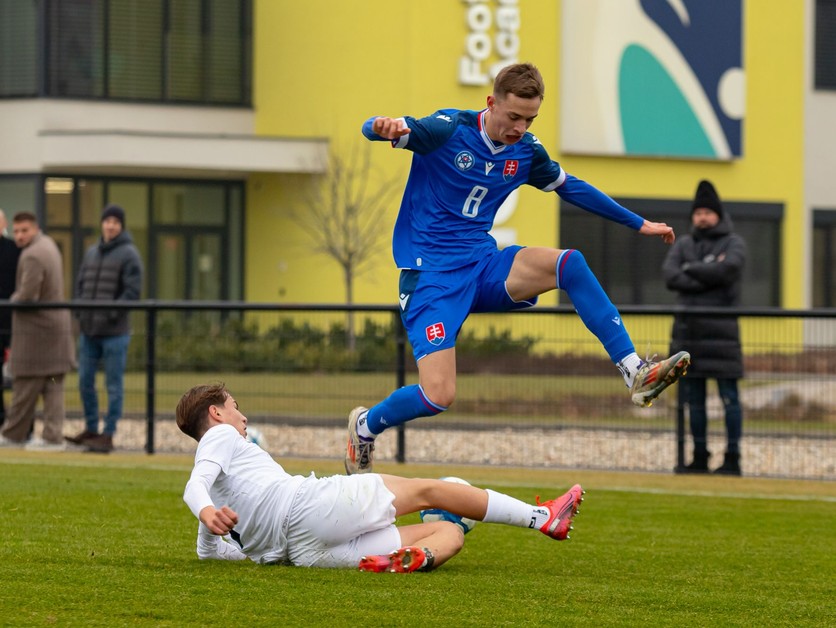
212 123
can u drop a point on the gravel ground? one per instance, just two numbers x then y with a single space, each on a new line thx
788 457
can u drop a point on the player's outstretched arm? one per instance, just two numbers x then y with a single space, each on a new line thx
659 229
383 128
219 522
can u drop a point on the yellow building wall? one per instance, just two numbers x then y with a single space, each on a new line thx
341 63
323 67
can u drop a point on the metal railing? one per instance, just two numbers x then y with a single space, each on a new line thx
534 388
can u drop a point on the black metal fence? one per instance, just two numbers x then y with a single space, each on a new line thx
534 388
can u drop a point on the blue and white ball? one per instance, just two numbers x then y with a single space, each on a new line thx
255 436
436 514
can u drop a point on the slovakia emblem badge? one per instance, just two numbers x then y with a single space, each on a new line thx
510 169
435 333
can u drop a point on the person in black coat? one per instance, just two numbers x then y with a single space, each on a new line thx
705 268
9 254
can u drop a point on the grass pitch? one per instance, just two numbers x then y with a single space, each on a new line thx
107 541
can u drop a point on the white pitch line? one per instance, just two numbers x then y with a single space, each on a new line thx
487 482
662 491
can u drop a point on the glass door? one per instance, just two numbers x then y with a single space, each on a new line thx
206 282
189 263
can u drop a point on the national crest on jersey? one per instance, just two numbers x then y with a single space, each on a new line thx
465 160
458 180
511 167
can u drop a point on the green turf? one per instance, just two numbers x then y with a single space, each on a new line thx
107 541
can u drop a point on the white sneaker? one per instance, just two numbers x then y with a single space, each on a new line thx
39 444
654 377
8 443
358 453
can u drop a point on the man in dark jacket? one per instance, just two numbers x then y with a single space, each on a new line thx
9 254
110 271
705 268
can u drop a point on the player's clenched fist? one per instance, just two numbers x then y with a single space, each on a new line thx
219 522
390 128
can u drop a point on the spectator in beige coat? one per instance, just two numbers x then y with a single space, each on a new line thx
42 348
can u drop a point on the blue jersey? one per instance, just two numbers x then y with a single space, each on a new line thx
459 179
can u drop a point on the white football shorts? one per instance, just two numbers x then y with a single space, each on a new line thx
335 521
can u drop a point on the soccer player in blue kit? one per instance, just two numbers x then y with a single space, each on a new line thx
464 165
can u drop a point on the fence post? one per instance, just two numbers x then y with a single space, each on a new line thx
400 381
680 431
150 359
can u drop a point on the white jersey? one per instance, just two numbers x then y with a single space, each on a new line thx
230 471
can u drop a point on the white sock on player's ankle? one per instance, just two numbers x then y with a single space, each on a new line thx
629 366
514 512
363 427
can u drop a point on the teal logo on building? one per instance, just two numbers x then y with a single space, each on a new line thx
662 78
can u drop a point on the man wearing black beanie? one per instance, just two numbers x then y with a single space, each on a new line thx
110 271
114 211
705 268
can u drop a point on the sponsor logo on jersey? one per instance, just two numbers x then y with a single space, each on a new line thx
435 333
441 116
510 169
403 299
488 167
464 160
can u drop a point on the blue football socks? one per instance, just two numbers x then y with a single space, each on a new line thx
403 405
592 304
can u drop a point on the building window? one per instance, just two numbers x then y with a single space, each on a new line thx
18 48
824 258
187 232
185 51
135 50
629 265
825 52
76 48
18 194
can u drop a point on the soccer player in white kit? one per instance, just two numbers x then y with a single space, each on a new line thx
250 507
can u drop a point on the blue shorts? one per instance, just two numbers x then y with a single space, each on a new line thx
435 304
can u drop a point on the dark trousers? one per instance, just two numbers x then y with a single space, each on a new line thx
4 344
694 393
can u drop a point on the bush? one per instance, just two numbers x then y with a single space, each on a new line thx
202 341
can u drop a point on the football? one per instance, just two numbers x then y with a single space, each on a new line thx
255 436
436 514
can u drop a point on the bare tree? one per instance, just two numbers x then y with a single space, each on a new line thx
343 214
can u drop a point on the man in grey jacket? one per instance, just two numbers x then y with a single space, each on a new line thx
110 271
